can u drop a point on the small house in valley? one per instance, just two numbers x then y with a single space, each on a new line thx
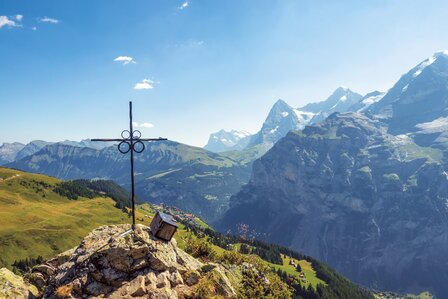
163 226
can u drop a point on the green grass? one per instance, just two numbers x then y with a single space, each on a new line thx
411 151
35 221
307 269
247 155
424 295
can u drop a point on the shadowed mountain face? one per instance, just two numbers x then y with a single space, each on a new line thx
188 177
373 205
281 119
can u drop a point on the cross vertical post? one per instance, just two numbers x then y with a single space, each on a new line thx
130 141
132 164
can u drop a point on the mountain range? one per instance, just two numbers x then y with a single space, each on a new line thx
358 181
371 204
283 118
43 238
365 191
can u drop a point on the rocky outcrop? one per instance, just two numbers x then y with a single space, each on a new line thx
115 262
13 286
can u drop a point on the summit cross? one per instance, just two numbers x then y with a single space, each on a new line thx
131 141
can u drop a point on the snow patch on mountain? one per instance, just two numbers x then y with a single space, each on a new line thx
437 125
226 140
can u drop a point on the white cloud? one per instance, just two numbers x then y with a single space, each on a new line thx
184 5
34 28
19 18
48 20
143 125
5 21
125 59
191 43
145 84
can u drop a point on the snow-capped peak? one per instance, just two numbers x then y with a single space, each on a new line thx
225 140
427 62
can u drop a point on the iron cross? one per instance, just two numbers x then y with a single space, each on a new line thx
131 141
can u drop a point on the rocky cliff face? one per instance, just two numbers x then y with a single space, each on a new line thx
281 119
110 263
373 205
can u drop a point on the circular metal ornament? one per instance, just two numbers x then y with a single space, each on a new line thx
136 134
124 147
126 134
138 146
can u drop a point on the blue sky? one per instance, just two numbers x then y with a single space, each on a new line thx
211 64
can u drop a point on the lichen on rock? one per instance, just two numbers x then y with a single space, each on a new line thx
114 264
13 286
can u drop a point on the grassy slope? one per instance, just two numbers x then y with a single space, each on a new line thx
307 269
36 221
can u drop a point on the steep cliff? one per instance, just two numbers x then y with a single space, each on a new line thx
372 205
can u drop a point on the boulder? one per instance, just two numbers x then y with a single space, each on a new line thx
114 262
13 286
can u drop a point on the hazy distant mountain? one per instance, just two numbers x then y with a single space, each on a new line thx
366 101
419 97
31 148
88 143
188 177
372 205
8 151
339 101
281 119
227 140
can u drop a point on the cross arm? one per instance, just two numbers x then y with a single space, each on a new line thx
139 139
106 139
152 139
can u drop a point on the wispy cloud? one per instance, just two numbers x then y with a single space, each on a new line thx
34 28
48 20
143 125
10 21
145 84
192 43
125 59
183 5
19 18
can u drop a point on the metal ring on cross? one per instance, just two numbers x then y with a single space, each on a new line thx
126 134
136 134
124 147
138 147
